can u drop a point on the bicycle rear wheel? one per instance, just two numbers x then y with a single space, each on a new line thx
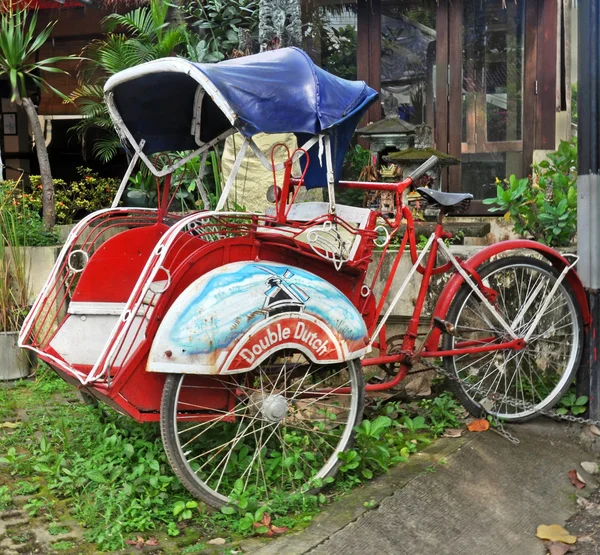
510 384
287 421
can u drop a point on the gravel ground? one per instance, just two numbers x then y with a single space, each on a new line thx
585 524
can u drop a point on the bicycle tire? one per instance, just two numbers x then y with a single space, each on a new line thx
542 372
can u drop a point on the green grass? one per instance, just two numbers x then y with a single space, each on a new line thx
5 498
55 529
191 549
63 545
111 475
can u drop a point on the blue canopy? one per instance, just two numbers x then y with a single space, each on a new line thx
279 91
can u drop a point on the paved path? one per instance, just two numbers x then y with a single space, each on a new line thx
488 499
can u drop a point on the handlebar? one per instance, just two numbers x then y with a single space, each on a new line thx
424 167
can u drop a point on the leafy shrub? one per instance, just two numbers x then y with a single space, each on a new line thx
544 207
340 48
354 162
23 210
79 198
573 404
217 25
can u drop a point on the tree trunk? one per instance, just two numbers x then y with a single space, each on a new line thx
48 208
174 16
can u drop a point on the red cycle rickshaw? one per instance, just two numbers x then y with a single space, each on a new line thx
244 334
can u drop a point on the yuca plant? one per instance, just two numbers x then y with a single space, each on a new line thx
20 44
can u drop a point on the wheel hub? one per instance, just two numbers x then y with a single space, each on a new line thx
274 408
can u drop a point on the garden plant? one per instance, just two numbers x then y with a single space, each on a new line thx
19 51
543 206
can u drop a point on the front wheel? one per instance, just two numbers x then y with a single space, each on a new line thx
515 384
283 427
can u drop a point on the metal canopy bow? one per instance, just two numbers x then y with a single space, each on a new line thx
174 104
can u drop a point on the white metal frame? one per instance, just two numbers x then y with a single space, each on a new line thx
205 86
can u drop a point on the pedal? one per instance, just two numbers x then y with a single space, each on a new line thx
443 326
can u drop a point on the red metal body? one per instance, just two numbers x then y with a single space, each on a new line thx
141 262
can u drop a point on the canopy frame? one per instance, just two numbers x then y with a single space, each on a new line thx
205 88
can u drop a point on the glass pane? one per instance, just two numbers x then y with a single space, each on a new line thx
480 170
493 47
492 77
503 72
330 36
408 41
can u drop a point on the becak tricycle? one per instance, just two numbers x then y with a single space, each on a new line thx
245 334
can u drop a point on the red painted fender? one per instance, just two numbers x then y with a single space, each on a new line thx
555 258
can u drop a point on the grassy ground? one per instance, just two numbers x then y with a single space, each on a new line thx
78 479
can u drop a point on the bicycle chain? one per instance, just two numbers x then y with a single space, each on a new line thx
511 401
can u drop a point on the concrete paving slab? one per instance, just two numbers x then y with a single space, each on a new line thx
488 499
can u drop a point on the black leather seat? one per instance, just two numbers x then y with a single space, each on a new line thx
444 200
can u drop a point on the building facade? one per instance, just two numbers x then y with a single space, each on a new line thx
490 77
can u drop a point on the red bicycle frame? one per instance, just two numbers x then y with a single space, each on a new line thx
409 352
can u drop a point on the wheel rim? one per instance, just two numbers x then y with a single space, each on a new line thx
537 375
290 420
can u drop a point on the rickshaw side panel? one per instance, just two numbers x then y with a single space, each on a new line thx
212 256
113 270
255 307
132 388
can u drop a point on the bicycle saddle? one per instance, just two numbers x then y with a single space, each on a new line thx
437 199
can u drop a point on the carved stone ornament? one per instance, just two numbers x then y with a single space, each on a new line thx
279 24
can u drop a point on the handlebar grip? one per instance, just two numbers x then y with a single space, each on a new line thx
424 167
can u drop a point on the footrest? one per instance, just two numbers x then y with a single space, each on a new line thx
91 308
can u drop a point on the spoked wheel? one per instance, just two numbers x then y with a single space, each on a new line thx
535 377
285 424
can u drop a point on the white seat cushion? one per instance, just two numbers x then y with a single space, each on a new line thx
307 211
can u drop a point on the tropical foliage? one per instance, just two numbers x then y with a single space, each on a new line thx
20 43
218 27
13 275
544 206
22 209
206 31
147 37
74 200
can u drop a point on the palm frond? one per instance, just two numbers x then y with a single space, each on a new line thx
139 22
106 148
19 43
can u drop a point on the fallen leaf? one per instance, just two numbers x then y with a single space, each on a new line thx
594 429
558 548
279 529
139 542
576 479
453 432
480 425
151 541
590 467
266 519
9 425
585 539
555 533
217 541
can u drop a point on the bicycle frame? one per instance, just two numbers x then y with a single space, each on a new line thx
410 352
